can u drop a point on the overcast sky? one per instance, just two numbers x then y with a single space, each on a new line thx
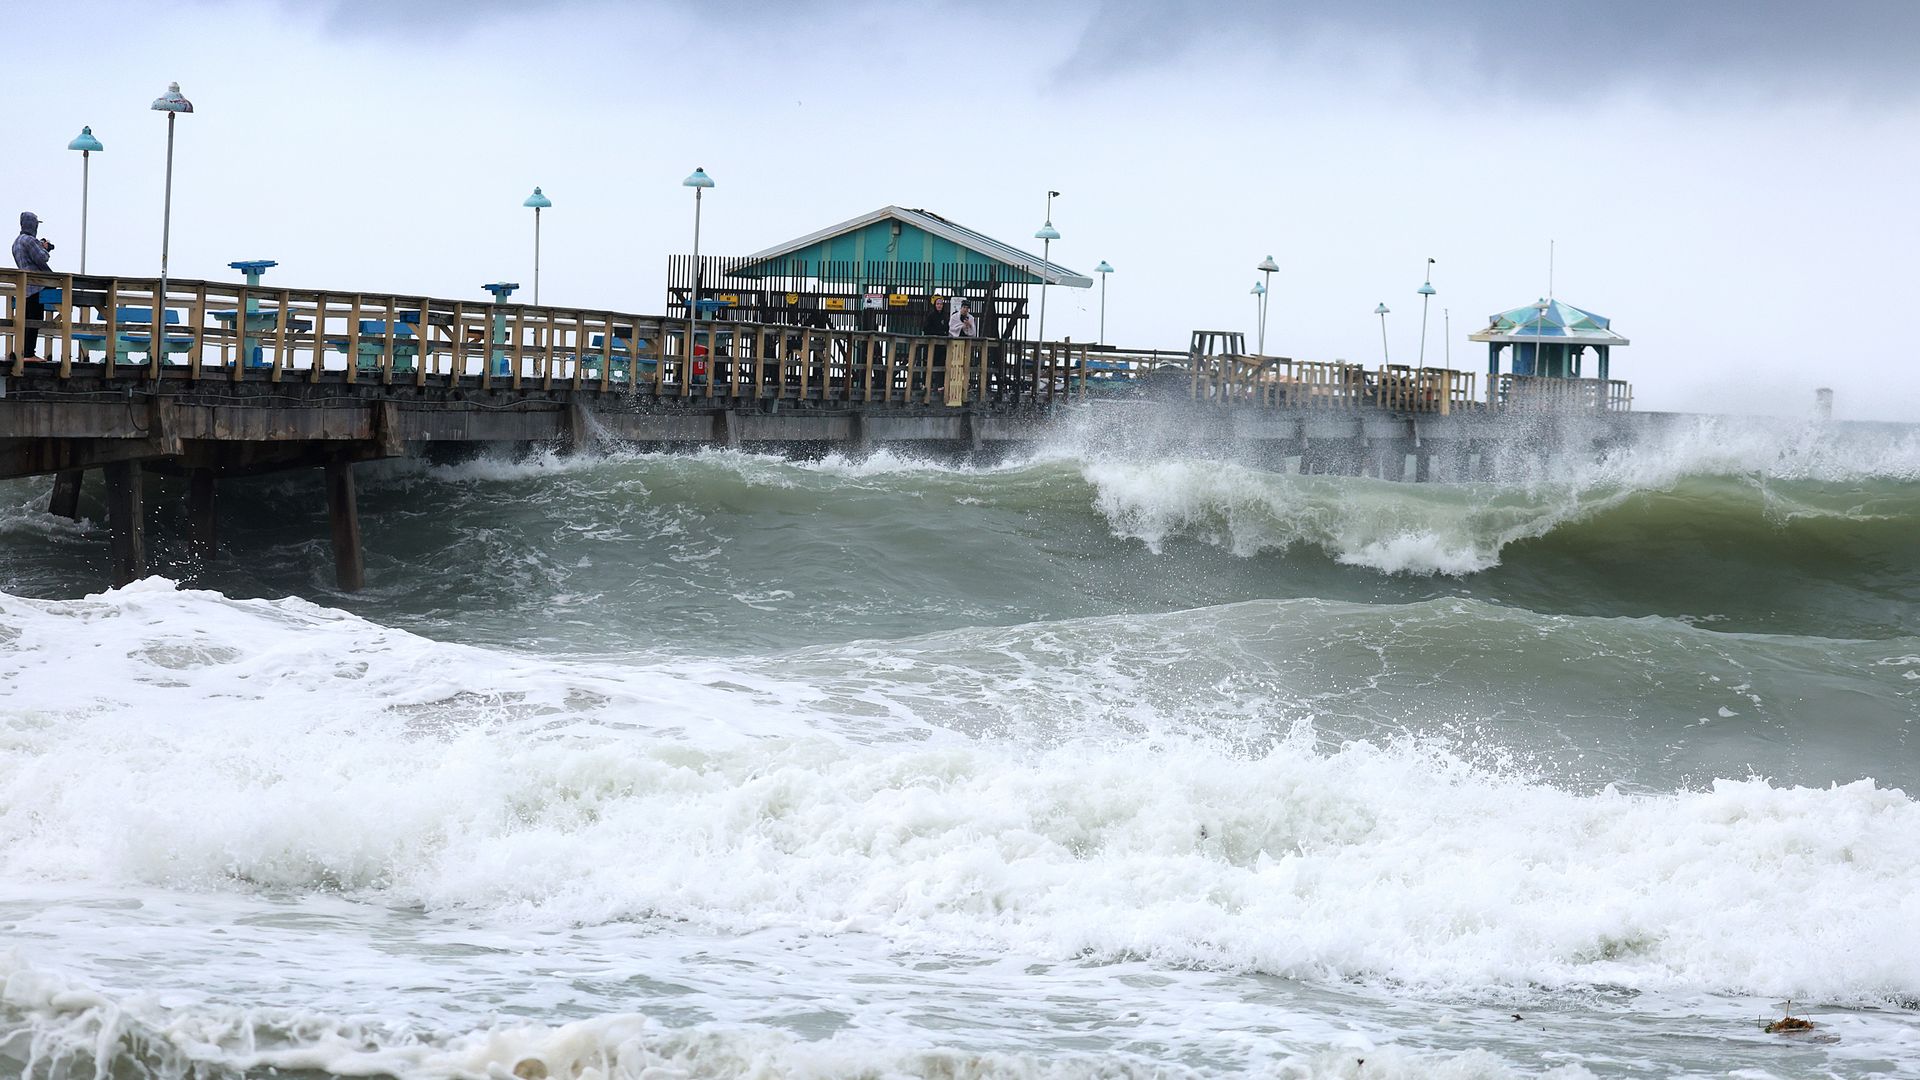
1731 181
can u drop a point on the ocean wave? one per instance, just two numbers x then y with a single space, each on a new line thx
56 1028
225 745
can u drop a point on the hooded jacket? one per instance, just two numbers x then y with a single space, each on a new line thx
934 323
28 252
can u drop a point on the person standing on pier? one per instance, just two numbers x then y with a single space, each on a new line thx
935 324
30 253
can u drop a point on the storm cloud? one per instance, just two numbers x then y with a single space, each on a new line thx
1853 48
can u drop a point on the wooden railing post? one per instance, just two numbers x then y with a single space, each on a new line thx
113 327
70 306
319 360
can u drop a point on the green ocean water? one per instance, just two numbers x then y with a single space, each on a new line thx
1579 740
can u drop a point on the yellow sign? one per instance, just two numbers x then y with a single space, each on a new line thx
728 298
834 303
897 299
793 298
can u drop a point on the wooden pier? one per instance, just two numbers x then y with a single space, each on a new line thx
247 379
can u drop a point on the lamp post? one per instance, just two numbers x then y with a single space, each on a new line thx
1267 266
1259 294
1046 234
88 146
173 105
1446 316
1426 297
1382 312
699 181
1103 270
539 202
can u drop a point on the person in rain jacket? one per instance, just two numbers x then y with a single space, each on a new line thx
935 322
30 253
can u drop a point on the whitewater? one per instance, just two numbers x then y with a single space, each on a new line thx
1114 759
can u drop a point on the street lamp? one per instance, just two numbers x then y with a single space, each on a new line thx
1267 266
699 182
173 105
1382 312
1259 294
1103 270
1046 234
88 146
1426 297
539 202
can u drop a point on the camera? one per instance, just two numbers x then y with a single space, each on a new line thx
48 244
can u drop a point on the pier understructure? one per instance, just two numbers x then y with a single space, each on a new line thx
242 380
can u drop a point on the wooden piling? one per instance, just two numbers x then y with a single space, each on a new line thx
203 524
126 520
579 427
65 500
343 512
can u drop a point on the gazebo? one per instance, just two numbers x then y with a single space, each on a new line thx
872 272
1549 339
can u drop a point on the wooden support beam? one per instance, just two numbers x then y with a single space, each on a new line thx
343 512
126 520
65 500
36 457
202 522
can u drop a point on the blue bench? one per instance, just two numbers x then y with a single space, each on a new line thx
618 358
126 344
373 343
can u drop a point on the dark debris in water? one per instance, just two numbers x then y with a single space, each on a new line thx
1789 1023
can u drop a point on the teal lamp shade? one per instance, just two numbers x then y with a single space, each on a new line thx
1103 268
699 179
171 101
1046 232
1426 288
1258 289
1382 309
85 142
537 200
1268 265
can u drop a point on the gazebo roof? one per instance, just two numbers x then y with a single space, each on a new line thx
1549 322
925 220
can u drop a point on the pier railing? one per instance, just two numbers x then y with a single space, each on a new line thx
1281 382
1541 393
102 326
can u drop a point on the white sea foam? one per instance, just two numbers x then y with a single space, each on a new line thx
1463 529
222 745
1396 528
55 1028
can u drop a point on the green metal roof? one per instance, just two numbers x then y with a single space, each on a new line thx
1549 321
923 237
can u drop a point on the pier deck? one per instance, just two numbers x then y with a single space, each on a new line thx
248 380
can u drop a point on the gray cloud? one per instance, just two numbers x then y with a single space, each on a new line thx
1846 48
1855 50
